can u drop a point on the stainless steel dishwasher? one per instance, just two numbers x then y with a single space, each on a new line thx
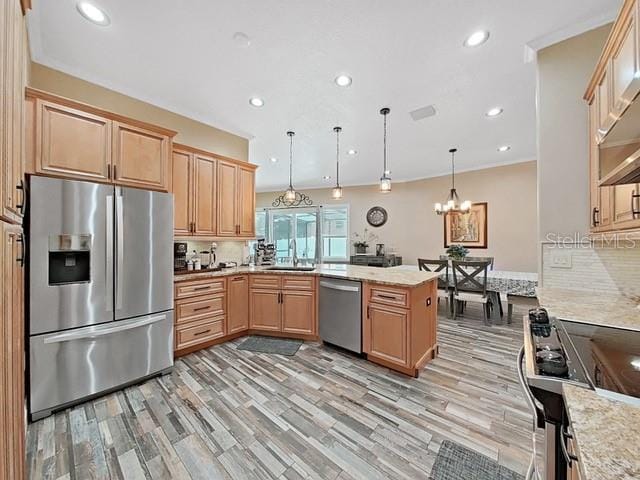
341 313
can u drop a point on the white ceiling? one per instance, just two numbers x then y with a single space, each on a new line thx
406 54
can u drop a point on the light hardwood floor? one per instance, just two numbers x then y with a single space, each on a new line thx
323 414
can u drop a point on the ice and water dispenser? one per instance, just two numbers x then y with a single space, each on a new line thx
69 259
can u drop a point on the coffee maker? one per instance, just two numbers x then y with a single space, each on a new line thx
179 256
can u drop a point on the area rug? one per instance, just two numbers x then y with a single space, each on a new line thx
278 346
455 462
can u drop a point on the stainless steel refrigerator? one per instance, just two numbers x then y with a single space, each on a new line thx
100 289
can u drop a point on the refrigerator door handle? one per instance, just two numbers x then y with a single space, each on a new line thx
119 247
109 255
99 331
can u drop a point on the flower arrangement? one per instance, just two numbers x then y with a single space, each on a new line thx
361 241
457 252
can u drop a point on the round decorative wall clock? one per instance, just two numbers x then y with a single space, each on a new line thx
377 216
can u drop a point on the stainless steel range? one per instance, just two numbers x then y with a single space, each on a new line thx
557 351
100 280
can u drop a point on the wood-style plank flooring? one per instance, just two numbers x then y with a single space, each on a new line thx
322 414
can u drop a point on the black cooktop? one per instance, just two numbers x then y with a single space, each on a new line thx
605 357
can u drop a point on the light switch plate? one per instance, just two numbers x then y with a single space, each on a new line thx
561 260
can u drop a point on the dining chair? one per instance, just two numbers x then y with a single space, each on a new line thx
481 259
470 285
438 266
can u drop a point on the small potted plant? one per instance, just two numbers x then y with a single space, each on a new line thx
457 252
361 241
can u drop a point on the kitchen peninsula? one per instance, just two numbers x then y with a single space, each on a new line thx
399 317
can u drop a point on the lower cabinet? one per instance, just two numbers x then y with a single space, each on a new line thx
399 326
12 390
265 310
285 304
238 304
200 313
298 312
388 337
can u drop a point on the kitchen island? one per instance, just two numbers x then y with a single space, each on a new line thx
399 309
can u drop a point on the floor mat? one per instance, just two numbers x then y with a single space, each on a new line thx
278 346
455 462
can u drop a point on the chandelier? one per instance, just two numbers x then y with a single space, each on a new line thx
291 197
452 204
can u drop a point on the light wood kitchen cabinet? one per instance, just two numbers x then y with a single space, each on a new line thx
12 73
74 143
388 337
236 200
285 304
227 199
70 139
204 195
214 196
238 304
182 199
399 326
194 189
140 157
200 311
246 202
298 311
614 129
265 311
12 389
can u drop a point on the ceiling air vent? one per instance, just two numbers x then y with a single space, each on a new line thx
424 112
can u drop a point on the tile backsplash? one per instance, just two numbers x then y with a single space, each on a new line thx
228 251
584 266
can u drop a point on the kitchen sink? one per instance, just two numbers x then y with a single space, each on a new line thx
291 268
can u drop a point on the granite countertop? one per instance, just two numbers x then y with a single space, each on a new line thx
606 433
620 311
394 276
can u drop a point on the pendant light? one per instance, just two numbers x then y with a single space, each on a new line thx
452 203
336 193
385 180
291 198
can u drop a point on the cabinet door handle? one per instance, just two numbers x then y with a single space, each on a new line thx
569 457
21 205
206 287
634 196
368 311
109 171
237 279
388 297
20 240
202 308
202 332
594 217
115 175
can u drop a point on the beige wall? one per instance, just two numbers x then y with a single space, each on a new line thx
564 70
414 230
190 132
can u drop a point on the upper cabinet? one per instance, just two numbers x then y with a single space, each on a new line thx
12 84
72 140
614 127
214 196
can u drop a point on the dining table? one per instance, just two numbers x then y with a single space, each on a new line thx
512 286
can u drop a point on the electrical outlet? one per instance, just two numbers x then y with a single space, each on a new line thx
561 260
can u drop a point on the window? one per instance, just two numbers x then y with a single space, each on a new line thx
335 233
281 225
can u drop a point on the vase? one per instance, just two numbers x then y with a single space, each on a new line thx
361 249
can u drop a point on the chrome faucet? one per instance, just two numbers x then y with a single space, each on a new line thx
293 246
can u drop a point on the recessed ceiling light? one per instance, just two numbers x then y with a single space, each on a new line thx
504 148
256 101
476 38
273 159
343 80
494 112
327 177
241 39
352 152
93 13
